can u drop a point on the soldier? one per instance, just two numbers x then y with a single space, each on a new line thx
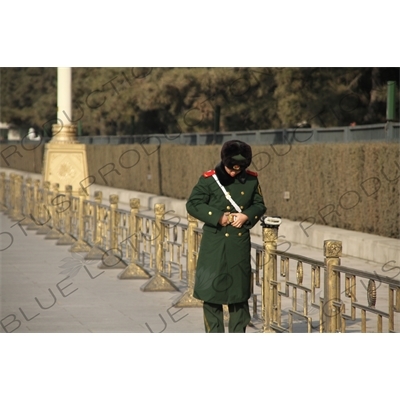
228 199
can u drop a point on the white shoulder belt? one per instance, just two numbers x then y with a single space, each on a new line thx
227 195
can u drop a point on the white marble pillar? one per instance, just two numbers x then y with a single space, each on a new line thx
65 130
64 95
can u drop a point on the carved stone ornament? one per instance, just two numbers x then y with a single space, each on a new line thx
332 248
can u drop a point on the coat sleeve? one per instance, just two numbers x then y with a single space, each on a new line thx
198 204
257 208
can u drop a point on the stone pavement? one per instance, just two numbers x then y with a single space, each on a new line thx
38 296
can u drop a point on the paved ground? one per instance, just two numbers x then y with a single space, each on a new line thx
38 296
46 288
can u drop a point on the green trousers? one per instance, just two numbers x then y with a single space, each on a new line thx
239 317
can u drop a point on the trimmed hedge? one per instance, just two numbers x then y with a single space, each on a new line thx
352 186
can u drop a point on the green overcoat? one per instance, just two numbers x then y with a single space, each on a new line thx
223 270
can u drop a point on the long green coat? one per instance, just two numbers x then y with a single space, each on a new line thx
223 270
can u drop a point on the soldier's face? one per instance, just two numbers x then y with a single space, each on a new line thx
232 172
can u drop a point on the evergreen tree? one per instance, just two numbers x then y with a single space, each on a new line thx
125 101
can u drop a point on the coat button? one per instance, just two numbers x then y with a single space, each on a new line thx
256 217
242 207
210 213
242 193
226 234
228 207
240 234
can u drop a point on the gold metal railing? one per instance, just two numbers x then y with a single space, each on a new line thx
382 309
301 291
191 237
309 290
96 222
44 214
134 269
290 292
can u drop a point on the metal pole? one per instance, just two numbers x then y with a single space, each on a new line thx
217 114
391 101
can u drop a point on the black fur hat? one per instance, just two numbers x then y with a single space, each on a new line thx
236 152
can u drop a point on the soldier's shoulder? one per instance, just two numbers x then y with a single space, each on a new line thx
252 173
209 173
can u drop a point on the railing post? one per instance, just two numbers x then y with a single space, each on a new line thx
11 196
269 291
81 246
159 282
187 299
34 213
18 199
332 254
3 191
27 202
134 270
96 253
54 233
45 214
111 259
66 238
